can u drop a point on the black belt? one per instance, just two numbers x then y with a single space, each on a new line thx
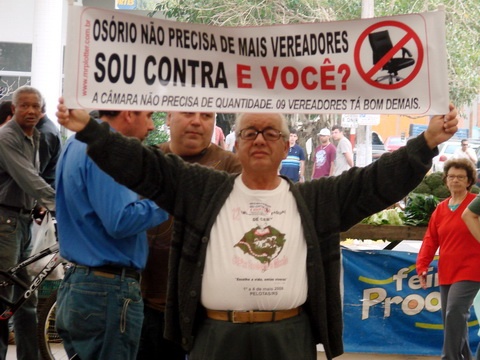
112 270
16 209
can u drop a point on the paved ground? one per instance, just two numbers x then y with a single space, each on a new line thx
321 356
350 356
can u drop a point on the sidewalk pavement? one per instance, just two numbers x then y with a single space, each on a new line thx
367 356
11 355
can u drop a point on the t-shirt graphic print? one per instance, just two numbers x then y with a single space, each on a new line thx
256 256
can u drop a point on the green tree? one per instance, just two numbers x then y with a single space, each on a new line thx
160 133
462 26
462 36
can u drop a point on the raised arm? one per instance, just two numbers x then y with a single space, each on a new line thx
360 192
441 128
73 120
472 221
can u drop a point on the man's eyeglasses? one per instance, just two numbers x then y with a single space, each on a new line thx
464 144
459 177
268 134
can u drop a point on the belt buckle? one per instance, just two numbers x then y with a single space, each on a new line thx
233 317
250 316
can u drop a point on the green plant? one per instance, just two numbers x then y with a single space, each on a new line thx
441 192
434 180
419 209
160 133
433 184
422 188
385 217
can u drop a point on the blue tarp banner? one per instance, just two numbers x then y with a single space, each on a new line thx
386 310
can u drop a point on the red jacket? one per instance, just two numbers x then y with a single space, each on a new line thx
459 251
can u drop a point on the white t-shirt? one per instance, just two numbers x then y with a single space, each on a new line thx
341 164
256 257
230 141
459 154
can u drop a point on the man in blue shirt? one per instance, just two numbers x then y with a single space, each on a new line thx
293 166
102 228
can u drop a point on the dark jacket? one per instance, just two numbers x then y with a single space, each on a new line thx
50 149
194 195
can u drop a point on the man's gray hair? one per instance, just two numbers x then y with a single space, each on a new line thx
284 129
26 89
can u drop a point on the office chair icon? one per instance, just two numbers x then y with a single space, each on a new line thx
381 45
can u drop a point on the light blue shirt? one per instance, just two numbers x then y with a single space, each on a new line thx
100 222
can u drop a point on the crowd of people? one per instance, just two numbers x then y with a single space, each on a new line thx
175 248
332 156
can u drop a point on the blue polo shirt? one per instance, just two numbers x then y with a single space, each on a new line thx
291 165
100 222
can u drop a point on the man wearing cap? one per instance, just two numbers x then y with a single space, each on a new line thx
324 156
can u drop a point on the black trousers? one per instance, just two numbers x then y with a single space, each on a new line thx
153 346
289 339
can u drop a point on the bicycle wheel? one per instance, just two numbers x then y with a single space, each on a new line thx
50 343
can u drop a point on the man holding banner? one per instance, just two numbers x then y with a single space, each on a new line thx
250 262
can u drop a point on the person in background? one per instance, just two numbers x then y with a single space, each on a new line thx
190 134
6 115
21 187
236 237
344 155
465 152
50 147
219 137
6 112
458 270
293 166
102 232
230 140
324 156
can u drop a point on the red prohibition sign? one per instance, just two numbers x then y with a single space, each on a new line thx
409 35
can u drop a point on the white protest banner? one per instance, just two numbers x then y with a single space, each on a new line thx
392 65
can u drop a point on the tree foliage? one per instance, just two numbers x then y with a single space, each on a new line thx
462 35
160 133
245 12
462 26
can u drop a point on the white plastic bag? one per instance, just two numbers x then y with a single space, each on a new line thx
43 236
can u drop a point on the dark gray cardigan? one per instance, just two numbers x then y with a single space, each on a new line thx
194 195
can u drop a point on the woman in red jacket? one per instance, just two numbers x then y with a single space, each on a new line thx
458 270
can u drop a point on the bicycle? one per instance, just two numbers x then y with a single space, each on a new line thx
46 333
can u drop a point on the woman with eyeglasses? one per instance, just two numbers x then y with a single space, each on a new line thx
459 257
